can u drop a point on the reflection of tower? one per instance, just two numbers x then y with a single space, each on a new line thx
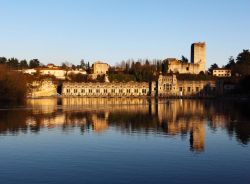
197 137
99 122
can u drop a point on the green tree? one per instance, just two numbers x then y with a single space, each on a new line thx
82 63
13 85
3 60
231 62
212 67
164 67
243 57
23 64
13 63
34 63
242 65
184 59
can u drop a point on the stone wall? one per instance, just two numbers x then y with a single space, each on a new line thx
176 66
197 64
42 88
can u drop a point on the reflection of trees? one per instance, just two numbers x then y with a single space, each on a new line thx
133 121
233 116
13 121
174 118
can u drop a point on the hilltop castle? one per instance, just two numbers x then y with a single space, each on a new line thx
198 61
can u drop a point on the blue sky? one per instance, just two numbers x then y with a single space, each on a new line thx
114 30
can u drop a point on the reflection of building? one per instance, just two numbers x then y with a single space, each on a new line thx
186 116
198 61
99 122
222 72
42 106
130 115
197 137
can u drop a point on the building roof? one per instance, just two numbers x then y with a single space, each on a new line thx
221 69
49 69
100 62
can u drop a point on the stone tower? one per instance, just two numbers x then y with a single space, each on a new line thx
198 55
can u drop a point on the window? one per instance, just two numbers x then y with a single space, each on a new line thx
197 89
120 90
75 90
136 90
189 89
128 90
83 90
68 90
105 90
144 91
112 90
90 90
180 88
97 90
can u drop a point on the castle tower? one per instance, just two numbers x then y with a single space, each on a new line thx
198 55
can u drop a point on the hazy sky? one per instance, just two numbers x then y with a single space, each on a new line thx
115 30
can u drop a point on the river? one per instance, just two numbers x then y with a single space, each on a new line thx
91 140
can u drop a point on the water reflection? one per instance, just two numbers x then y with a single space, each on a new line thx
187 118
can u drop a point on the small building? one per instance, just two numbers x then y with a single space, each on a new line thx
100 68
222 72
56 72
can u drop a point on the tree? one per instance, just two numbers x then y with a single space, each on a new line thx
212 67
3 60
164 67
231 62
13 63
243 57
13 85
82 63
34 63
23 64
73 66
78 77
242 66
184 59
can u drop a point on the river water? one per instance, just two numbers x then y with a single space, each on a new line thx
90 140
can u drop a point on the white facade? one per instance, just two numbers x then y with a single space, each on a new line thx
222 72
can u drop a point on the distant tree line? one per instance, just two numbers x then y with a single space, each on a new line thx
14 63
139 70
83 65
240 65
240 68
